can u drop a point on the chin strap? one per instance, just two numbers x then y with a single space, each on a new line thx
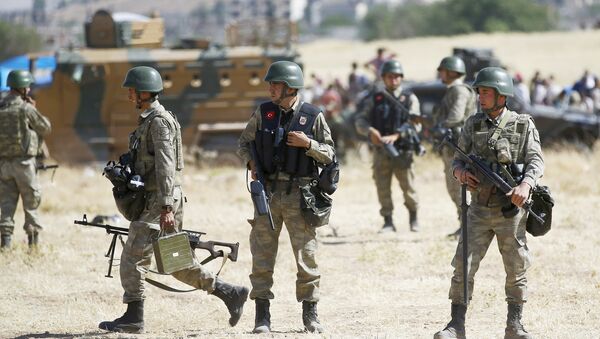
139 102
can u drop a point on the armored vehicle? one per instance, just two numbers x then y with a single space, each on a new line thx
555 124
212 90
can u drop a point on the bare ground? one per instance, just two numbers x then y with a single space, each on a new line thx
372 286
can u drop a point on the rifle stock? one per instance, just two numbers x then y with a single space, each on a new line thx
478 165
260 199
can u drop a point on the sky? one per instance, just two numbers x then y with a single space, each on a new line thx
11 5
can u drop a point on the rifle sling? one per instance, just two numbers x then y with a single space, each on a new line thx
175 290
496 134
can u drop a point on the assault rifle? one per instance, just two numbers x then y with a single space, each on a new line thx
43 167
260 199
193 236
482 168
408 133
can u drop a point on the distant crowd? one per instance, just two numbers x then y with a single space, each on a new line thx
338 96
583 94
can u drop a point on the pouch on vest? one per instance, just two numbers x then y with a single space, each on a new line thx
330 176
173 253
404 159
315 204
542 203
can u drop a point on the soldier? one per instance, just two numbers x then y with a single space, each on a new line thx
457 104
503 139
155 146
291 165
385 120
21 130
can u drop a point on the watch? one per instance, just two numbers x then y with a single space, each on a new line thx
167 208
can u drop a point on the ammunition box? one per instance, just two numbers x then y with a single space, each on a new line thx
173 253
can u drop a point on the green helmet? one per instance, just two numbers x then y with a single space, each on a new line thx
452 63
19 79
391 66
495 77
287 72
143 79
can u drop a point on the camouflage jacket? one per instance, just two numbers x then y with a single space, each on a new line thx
22 130
523 140
321 148
363 122
458 103
157 150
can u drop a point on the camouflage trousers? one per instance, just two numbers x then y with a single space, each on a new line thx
452 185
483 223
138 252
18 178
383 169
264 242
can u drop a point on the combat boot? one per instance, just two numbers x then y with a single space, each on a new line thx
132 321
514 328
412 221
456 327
5 241
310 317
32 239
262 320
234 298
388 225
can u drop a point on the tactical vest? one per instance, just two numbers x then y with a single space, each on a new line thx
144 162
274 155
515 132
385 116
16 138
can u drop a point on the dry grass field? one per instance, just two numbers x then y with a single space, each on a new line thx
373 286
564 54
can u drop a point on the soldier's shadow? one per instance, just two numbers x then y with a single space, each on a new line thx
367 239
60 335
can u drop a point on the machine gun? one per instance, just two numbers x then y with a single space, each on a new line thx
482 168
260 199
194 237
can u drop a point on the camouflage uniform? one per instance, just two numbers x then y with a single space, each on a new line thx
485 218
384 166
157 145
21 128
458 103
285 208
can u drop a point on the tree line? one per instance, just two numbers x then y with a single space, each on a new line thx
452 17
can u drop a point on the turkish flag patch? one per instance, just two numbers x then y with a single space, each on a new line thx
270 115
378 97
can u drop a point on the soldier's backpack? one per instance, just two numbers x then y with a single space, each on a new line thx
13 138
542 203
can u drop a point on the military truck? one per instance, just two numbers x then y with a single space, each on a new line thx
213 90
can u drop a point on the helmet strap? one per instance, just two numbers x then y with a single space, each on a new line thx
139 102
